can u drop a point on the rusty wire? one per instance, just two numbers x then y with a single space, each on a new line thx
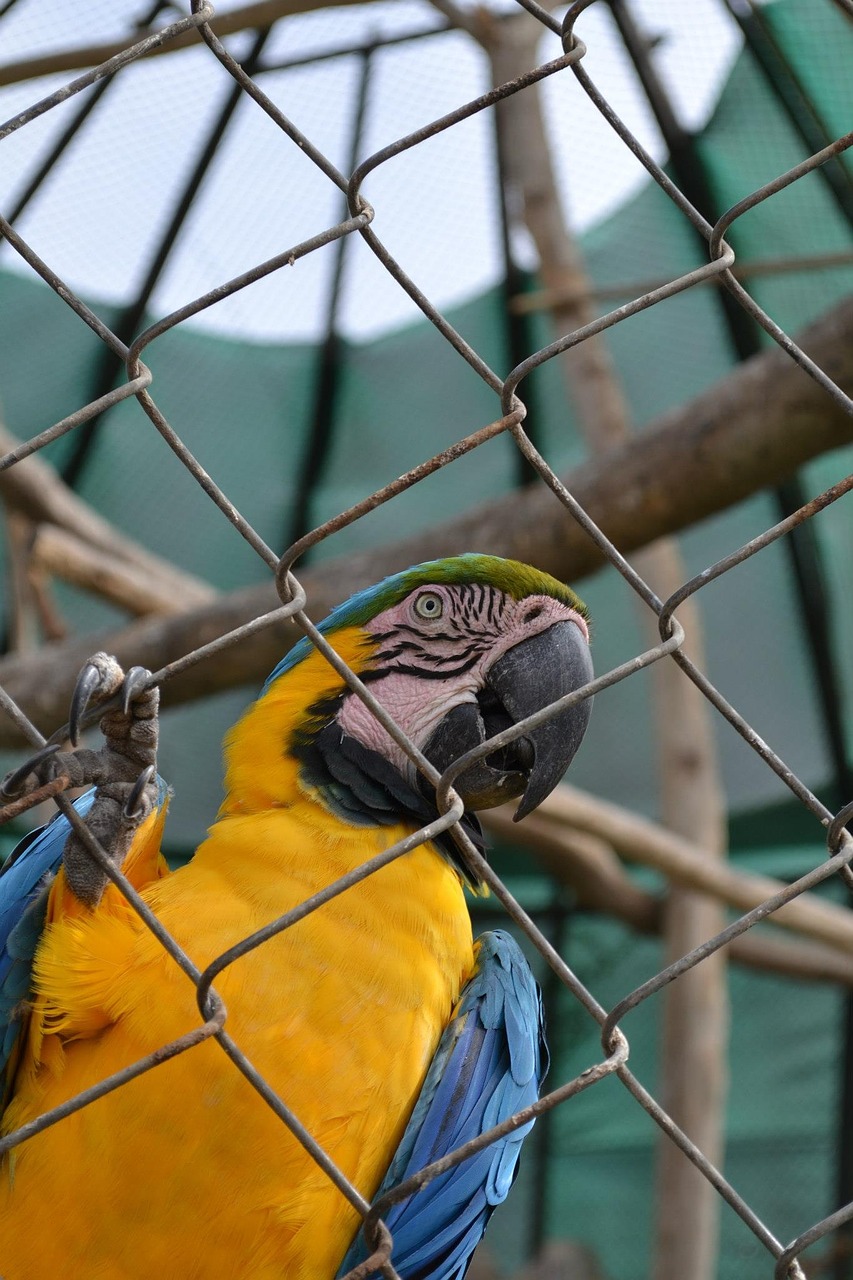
141 384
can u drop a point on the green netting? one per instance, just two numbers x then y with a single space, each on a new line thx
782 1122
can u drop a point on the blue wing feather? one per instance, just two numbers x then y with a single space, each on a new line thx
488 1065
24 883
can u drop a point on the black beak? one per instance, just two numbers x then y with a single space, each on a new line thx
525 679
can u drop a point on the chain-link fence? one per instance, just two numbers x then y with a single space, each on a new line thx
509 422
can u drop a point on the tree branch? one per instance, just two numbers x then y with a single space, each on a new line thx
748 432
33 488
263 13
59 553
638 840
587 864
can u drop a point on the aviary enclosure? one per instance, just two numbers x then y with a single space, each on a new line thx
294 296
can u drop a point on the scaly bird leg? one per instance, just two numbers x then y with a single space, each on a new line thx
123 770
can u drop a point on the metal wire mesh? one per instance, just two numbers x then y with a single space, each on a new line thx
139 382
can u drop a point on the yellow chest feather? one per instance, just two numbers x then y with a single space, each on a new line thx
186 1173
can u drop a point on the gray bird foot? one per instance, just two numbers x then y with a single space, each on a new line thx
123 770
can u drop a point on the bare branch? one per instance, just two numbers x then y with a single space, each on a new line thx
263 13
802 961
469 20
749 431
638 840
583 862
587 865
33 488
62 554
20 601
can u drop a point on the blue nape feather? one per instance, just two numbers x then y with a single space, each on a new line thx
488 1065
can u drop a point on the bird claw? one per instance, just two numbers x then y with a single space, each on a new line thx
135 684
13 784
122 770
99 680
88 681
129 729
131 804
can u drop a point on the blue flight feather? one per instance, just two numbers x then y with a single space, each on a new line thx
488 1065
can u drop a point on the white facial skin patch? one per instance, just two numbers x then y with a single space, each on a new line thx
435 649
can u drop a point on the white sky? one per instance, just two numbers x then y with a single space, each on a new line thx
97 219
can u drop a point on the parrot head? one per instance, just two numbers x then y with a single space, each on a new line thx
457 650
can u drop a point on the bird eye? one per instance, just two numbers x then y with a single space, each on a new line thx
429 605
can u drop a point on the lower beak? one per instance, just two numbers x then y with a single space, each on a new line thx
525 679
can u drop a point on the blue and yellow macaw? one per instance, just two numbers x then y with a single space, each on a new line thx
391 1034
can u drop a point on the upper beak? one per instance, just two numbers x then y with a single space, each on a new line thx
525 679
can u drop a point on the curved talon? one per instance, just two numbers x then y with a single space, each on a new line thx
88 682
132 802
13 783
135 682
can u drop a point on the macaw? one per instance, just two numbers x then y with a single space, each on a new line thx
390 1033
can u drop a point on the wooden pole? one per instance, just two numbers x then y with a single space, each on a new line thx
695 1024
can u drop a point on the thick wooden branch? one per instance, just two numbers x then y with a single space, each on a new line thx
59 553
803 961
33 488
587 865
638 840
263 13
749 431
